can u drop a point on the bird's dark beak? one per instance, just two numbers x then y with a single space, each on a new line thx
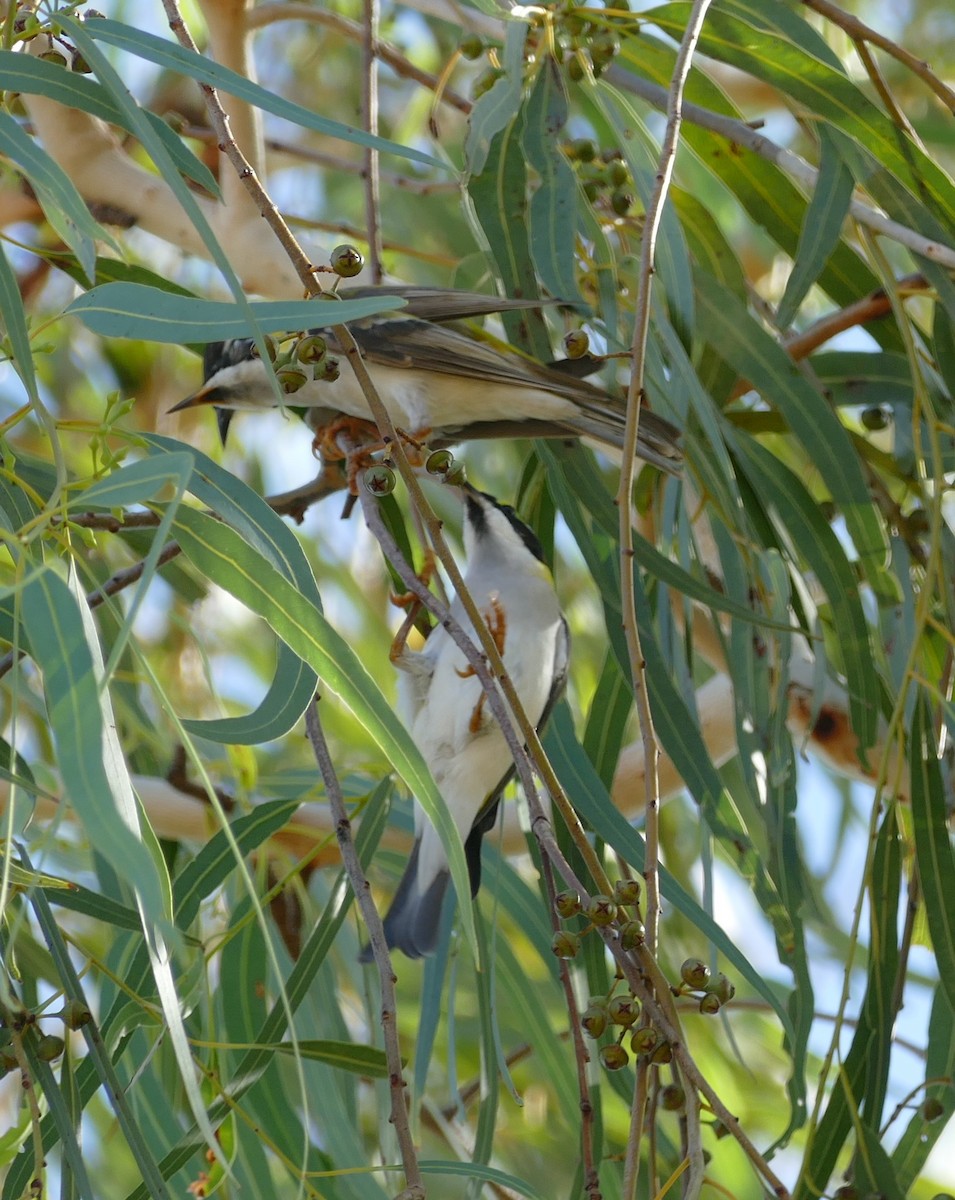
223 421
205 396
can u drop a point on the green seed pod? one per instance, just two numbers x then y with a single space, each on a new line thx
662 1055
583 150
346 261
457 476
645 1040
291 379
76 1014
614 1057
601 910
591 190
565 944
721 987
80 65
271 349
603 49
471 47
379 480
49 1047
575 69
311 348
673 1098
695 973
567 904
710 1004
439 462
932 1110
625 891
576 343
327 371
876 417
617 173
485 81
594 1019
8 1060
632 935
621 201
624 1010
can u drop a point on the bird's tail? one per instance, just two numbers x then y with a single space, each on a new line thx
657 439
414 918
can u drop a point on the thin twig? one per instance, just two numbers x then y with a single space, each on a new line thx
652 219
885 92
369 112
739 133
376 934
859 31
266 14
692 1181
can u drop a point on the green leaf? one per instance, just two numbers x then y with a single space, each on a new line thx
172 57
92 778
820 88
553 207
293 683
822 228
499 104
933 846
801 522
62 203
344 1056
921 1135
132 310
37 76
725 322
14 322
491 1175
859 1092
135 483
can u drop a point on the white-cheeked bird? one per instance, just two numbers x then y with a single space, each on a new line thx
440 382
446 711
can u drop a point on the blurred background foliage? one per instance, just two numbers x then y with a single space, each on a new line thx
826 486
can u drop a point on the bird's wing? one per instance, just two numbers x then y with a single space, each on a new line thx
444 304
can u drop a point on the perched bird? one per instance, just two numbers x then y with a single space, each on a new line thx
444 706
439 383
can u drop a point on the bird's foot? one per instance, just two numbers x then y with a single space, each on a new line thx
413 605
406 599
496 621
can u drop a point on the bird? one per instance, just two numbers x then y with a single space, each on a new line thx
443 705
439 382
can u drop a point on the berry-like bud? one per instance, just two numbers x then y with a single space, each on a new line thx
457 476
379 480
632 935
625 891
721 987
710 1004
567 904
624 1010
485 81
614 1057
673 1098
54 56
49 1047
601 910
848 1191
311 348
576 343
932 1109
327 371
617 173
471 47
439 462
875 418
582 149
575 69
603 49
271 348
662 1055
76 1014
565 944
291 379
621 201
644 1040
346 261
594 1020
695 973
